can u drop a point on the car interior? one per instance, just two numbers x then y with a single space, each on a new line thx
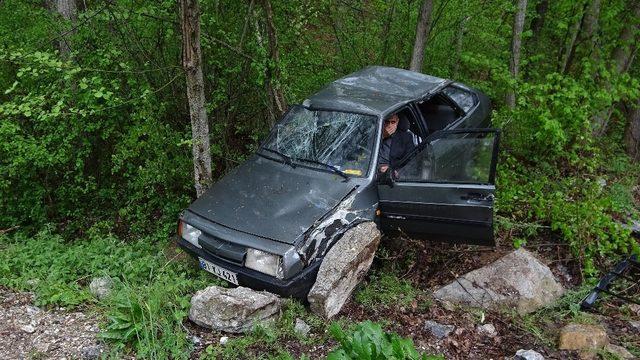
438 112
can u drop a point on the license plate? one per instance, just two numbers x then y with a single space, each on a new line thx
218 271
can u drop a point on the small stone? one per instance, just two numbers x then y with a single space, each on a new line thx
32 283
91 352
635 324
32 310
224 340
440 331
619 351
635 308
196 340
301 328
101 287
487 329
528 355
582 337
29 329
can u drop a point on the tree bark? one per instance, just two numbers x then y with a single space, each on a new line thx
422 32
462 29
632 133
570 46
68 10
192 64
538 23
516 43
278 104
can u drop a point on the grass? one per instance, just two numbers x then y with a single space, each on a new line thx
384 290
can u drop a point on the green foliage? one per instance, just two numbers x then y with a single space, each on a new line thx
385 290
369 342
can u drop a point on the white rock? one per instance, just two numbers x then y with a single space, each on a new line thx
100 287
234 310
224 340
29 329
517 280
301 328
343 268
528 355
487 329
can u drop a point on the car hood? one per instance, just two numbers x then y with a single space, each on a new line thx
269 199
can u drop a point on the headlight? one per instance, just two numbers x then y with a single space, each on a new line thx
264 262
189 233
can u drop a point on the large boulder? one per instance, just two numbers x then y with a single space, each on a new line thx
343 268
235 310
517 280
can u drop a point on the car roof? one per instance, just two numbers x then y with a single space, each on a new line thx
374 90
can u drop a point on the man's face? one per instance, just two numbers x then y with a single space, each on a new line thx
390 125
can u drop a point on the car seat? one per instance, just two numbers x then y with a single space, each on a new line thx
404 125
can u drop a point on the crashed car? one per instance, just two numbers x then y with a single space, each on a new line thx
268 223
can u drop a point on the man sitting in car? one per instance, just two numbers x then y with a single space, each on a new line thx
397 142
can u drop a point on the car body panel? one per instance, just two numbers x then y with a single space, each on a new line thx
269 199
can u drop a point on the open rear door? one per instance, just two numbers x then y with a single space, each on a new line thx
445 190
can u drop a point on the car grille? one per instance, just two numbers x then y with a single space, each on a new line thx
224 249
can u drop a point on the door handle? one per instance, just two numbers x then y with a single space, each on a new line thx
477 197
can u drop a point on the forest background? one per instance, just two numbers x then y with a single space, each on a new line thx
96 140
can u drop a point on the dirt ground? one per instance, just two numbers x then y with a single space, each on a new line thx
29 332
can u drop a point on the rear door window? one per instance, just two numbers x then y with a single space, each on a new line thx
465 99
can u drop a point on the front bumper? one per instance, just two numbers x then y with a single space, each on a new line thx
295 287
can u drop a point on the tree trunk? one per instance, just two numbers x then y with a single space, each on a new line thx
462 29
278 104
538 23
422 31
632 134
623 56
192 64
570 47
68 10
516 43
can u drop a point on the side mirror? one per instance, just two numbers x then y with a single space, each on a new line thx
386 178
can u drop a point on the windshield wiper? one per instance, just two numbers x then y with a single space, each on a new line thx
287 159
329 166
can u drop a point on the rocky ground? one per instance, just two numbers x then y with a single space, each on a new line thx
435 327
28 332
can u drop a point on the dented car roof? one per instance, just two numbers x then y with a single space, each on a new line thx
375 90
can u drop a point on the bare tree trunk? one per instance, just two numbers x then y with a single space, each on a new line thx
623 56
632 133
385 34
68 10
516 43
538 23
192 64
278 104
570 46
422 32
459 44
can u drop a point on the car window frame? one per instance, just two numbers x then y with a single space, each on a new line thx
441 133
476 99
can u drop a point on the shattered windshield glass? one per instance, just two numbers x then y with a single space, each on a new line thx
338 139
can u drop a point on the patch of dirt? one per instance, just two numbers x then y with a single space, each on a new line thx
28 332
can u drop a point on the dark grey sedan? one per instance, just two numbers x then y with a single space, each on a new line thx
268 223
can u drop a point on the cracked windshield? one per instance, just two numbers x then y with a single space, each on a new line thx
340 140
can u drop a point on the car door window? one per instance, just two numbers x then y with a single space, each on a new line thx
454 157
465 99
438 112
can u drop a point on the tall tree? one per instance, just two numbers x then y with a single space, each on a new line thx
516 43
622 56
422 32
68 10
632 133
277 103
192 64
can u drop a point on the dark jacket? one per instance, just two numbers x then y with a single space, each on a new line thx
401 146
